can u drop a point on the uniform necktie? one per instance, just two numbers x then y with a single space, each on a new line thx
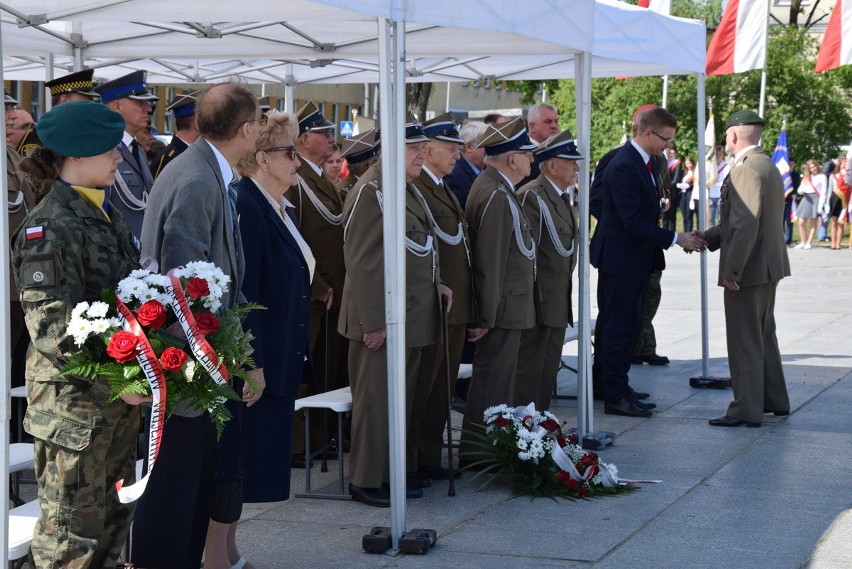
567 199
137 154
232 200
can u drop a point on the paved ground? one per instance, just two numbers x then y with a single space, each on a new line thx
776 497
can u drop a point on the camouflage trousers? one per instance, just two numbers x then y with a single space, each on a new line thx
83 446
646 345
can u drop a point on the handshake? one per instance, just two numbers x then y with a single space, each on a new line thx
693 241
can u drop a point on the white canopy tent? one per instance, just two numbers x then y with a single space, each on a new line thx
626 44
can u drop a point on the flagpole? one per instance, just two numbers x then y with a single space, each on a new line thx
765 64
665 91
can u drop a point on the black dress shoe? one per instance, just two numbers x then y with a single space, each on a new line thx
378 497
640 395
626 408
417 480
410 492
298 461
438 472
728 421
641 405
655 360
776 413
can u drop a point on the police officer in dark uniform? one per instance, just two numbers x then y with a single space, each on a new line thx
186 131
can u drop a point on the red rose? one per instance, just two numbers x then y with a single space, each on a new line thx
572 439
197 288
583 492
571 484
550 424
151 314
172 359
563 476
122 346
501 421
207 323
560 440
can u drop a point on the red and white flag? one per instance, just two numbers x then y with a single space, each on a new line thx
836 49
661 6
739 43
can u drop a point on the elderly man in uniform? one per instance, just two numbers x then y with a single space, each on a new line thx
318 210
363 318
753 259
542 123
186 131
129 97
426 437
548 202
360 151
503 262
472 161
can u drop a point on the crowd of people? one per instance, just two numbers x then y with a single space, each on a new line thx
491 227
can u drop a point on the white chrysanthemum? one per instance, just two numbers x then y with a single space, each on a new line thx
524 456
613 470
139 273
214 305
80 329
100 325
79 310
98 309
525 434
157 280
522 444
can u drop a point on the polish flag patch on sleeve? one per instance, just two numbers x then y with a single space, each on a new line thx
36 232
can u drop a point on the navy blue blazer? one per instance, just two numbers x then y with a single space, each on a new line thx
627 238
461 179
278 278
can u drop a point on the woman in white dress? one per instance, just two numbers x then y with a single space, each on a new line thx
811 189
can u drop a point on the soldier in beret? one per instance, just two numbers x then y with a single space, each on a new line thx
360 151
548 202
752 260
186 131
70 247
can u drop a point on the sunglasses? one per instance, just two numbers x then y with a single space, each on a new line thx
289 149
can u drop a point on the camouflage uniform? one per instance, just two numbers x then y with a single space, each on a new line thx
83 444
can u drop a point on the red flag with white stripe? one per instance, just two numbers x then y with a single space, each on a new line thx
739 43
661 6
836 49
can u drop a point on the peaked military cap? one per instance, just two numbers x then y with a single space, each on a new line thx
9 99
131 86
743 117
77 82
183 105
361 147
561 145
442 127
312 120
506 137
414 130
80 129
264 104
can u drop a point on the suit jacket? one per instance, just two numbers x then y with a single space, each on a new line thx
504 277
751 233
461 179
553 282
363 308
188 218
139 182
628 240
324 238
454 259
167 154
277 277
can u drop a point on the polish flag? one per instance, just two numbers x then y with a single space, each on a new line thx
661 6
739 43
836 49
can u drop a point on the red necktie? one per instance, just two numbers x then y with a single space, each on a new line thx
650 167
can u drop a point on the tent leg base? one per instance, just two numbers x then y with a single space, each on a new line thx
598 440
710 382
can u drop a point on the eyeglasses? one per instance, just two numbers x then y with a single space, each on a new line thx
262 121
668 141
291 150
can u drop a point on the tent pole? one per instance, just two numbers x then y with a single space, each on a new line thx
702 205
392 97
5 358
289 91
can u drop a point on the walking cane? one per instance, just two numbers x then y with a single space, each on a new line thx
452 489
324 466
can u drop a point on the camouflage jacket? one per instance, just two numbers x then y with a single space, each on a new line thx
65 252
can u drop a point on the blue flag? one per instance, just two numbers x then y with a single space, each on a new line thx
782 160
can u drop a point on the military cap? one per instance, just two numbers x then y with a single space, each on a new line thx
506 137
442 127
311 119
77 82
743 117
9 99
131 86
264 104
361 147
414 130
561 145
183 105
80 129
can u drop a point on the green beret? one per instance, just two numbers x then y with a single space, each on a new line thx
80 129
743 117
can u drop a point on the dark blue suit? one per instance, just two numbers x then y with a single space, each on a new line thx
278 278
625 248
461 179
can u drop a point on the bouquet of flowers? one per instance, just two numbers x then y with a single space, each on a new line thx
530 448
165 336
